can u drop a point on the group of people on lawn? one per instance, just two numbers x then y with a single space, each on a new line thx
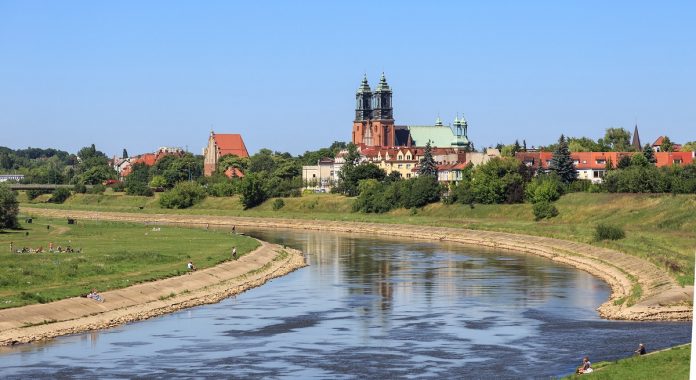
51 249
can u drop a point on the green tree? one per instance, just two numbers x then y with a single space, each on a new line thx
234 161
252 191
689 147
562 163
183 195
9 208
158 181
59 195
649 154
667 145
498 181
544 188
624 162
617 139
427 163
421 191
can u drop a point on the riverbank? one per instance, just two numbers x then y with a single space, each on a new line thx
671 363
640 290
74 315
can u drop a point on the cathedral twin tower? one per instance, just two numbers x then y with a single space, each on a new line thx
374 115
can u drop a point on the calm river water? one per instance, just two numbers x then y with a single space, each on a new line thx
368 307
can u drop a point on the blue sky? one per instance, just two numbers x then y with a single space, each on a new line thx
138 75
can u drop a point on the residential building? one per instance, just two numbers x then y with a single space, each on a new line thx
657 145
321 176
123 166
593 165
11 177
220 145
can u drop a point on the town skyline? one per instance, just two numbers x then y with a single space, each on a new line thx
528 71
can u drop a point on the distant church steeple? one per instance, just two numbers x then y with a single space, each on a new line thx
382 101
636 140
363 101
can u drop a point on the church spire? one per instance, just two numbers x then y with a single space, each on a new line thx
382 101
363 101
636 140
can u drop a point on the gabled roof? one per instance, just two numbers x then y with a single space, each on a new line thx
230 143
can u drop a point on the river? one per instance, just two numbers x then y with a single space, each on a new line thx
368 307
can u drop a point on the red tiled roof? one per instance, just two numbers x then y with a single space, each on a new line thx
234 172
597 160
230 143
659 141
668 158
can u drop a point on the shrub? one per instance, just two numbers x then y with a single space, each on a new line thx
183 195
80 188
221 189
252 191
545 188
278 204
420 191
579 185
138 188
544 210
608 232
33 193
59 195
97 189
118 187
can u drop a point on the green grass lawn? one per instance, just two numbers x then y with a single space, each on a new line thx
664 365
114 255
660 228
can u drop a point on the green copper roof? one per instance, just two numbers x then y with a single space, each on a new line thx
382 86
364 86
439 136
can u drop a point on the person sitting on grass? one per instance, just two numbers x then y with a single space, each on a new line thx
641 349
95 296
585 367
190 266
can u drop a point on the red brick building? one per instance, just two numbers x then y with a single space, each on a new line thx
221 144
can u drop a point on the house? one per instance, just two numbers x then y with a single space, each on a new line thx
11 177
321 176
124 166
593 165
657 145
219 145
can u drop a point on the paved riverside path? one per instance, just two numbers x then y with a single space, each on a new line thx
29 323
662 297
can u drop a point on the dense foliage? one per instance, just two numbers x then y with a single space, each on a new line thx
544 210
608 232
562 163
59 195
381 196
183 195
9 208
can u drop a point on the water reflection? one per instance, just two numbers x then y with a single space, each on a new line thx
368 308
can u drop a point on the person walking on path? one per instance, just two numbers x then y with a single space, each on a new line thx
234 253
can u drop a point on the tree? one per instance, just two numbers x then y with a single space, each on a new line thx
183 195
624 162
618 139
427 163
562 163
9 208
252 191
125 153
232 161
667 145
689 147
421 191
497 181
649 154
639 159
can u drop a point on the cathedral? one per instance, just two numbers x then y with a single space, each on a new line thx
374 123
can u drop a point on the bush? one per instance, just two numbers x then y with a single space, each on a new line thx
59 195
139 188
33 193
252 191
544 188
420 191
221 189
80 188
183 195
544 210
608 232
278 204
118 187
579 185
97 189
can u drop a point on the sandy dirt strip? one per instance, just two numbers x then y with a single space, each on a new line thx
73 315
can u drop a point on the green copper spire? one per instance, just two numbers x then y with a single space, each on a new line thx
383 86
364 86
438 122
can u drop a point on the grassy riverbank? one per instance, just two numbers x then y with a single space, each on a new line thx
665 365
113 255
659 228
